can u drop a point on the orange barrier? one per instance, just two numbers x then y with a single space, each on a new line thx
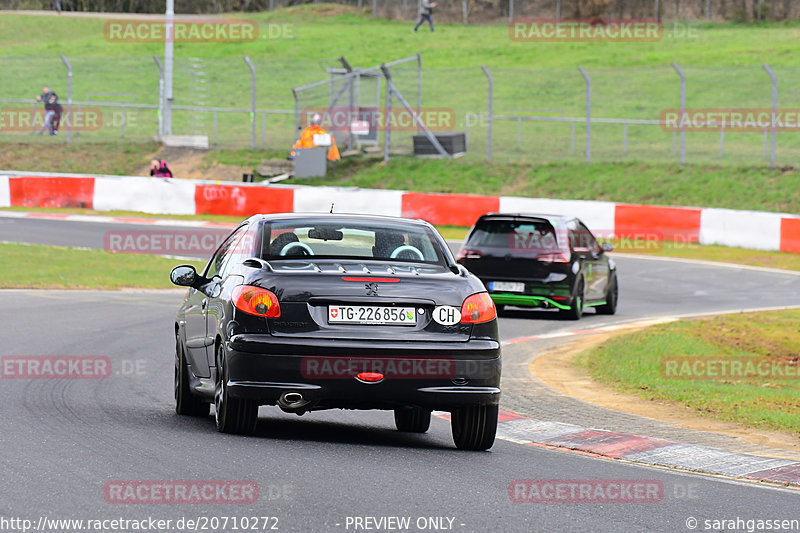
242 201
448 209
51 192
671 223
790 235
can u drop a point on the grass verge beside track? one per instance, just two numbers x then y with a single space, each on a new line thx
638 363
706 185
70 268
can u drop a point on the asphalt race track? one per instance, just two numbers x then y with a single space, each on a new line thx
64 440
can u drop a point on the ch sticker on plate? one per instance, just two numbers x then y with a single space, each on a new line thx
447 315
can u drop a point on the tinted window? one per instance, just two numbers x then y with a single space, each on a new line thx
234 247
582 239
350 240
517 237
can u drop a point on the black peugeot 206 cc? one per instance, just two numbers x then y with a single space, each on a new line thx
325 311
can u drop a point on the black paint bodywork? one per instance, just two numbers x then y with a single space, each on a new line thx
265 357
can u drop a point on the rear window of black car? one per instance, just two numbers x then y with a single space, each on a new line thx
515 237
350 240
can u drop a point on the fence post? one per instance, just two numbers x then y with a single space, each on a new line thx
683 111
490 113
69 97
558 10
351 101
625 139
296 115
419 86
510 11
588 113
572 139
252 102
160 97
656 15
387 110
374 7
169 32
708 9
774 111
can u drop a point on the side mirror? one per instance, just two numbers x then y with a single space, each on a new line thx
184 275
607 246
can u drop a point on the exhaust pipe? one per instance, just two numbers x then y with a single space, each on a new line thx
292 397
293 402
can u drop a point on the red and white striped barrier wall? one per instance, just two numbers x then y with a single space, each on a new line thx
5 193
746 229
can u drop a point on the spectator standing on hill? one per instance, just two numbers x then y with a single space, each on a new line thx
425 13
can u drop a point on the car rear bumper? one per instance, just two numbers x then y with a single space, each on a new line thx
437 376
527 300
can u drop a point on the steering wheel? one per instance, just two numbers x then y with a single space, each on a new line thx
407 248
296 244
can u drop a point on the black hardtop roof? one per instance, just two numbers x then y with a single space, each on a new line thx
557 219
334 218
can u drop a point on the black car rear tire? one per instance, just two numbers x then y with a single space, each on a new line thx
500 308
474 426
186 403
412 420
232 415
576 308
612 296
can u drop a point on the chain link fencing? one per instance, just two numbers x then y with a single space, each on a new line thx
468 11
537 115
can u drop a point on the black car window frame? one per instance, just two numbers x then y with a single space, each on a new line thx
221 254
594 245
435 244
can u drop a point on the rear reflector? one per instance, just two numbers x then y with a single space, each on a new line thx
370 377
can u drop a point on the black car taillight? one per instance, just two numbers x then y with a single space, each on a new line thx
256 301
478 308
553 258
468 253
